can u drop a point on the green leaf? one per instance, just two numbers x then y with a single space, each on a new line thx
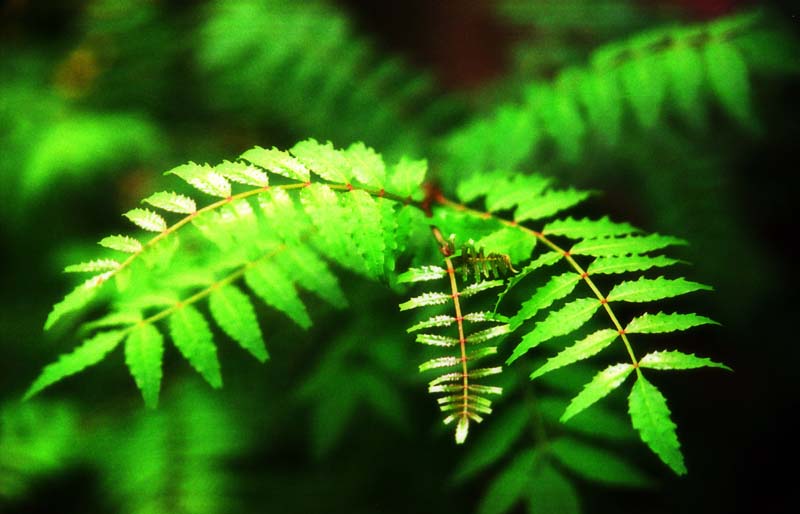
508 241
304 267
278 162
546 259
548 204
172 202
365 214
628 263
272 286
645 85
323 159
601 385
727 74
93 266
76 300
663 322
648 289
144 350
192 336
493 443
336 232
91 352
550 492
685 67
597 464
596 422
677 360
601 96
651 417
556 288
242 173
146 219
590 345
121 243
407 177
204 178
570 317
510 485
366 165
234 313
586 228
624 245
505 191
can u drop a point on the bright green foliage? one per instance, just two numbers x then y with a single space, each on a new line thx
651 289
278 238
570 317
235 314
282 226
91 352
677 360
601 385
651 417
144 349
650 76
663 322
583 349
192 336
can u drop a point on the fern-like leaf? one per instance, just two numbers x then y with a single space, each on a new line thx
601 386
144 349
651 417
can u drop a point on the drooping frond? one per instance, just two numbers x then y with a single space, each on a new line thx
276 223
463 400
629 85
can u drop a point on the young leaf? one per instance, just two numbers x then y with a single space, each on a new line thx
425 299
649 289
570 317
91 352
172 202
192 336
677 360
121 243
628 263
600 386
583 349
597 464
234 313
663 322
144 349
146 219
651 417
614 246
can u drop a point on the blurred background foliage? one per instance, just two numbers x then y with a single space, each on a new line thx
676 112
